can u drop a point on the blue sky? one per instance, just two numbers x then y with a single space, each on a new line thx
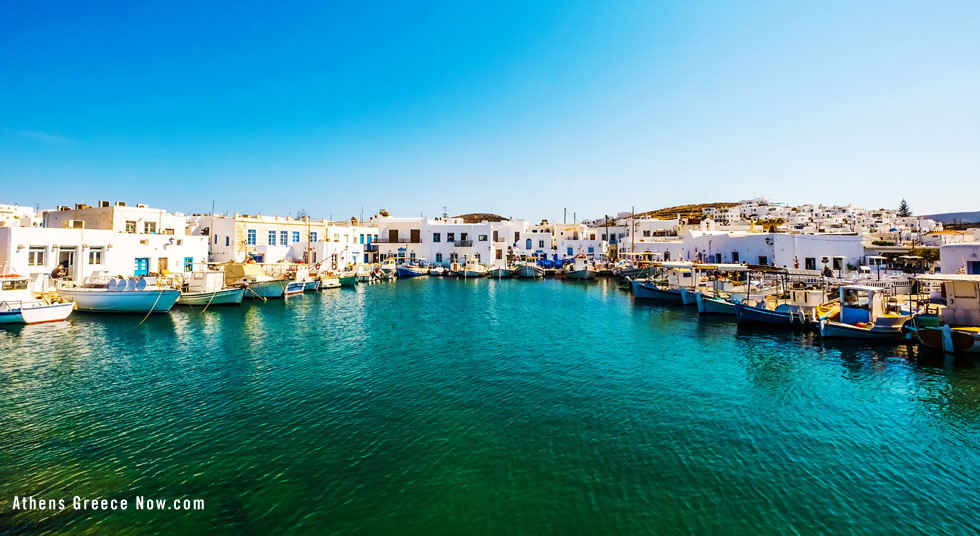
520 108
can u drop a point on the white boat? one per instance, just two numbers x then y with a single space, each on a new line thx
294 287
530 271
329 282
257 284
207 288
390 266
500 272
437 271
18 305
121 296
861 314
473 269
580 269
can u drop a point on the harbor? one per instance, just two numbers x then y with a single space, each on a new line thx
503 268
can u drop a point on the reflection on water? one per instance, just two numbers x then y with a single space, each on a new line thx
512 406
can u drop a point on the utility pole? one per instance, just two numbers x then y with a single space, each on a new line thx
633 229
564 216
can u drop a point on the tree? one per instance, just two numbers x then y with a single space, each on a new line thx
903 210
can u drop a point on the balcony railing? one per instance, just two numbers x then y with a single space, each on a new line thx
381 240
463 243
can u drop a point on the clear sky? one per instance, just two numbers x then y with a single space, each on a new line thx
519 108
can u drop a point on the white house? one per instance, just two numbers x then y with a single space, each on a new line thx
960 258
95 253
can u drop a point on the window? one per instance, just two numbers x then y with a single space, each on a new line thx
735 257
272 238
95 256
646 234
252 237
570 252
482 238
162 265
540 243
168 231
810 263
149 227
451 237
35 256
517 237
436 237
336 237
438 257
462 237
369 239
188 264
227 241
131 227
283 238
527 244
215 239
295 236
763 260
313 236
591 250
500 254
362 238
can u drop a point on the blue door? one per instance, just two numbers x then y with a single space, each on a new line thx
142 266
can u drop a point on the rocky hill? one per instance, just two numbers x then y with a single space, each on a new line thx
683 211
479 217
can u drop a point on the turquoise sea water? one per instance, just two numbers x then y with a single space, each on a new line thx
491 407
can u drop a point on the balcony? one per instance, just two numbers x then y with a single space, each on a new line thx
370 248
382 240
463 243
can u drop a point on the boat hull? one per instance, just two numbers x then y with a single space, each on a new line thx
748 314
134 301
500 273
265 289
830 329
406 272
689 297
472 274
648 291
228 296
950 340
37 314
312 285
348 281
329 282
530 272
715 306
580 275
294 287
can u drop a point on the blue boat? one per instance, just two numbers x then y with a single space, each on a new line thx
405 271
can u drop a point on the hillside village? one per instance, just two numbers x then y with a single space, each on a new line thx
115 238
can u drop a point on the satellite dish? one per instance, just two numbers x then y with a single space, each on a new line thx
141 284
113 285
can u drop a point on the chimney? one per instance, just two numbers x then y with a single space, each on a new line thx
103 204
120 203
